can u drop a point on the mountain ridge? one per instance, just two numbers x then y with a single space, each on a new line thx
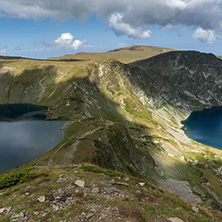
122 117
124 55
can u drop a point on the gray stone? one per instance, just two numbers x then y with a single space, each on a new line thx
17 216
108 182
3 192
2 210
122 184
89 215
141 184
80 183
175 219
7 209
195 209
110 190
95 190
55 207
41 199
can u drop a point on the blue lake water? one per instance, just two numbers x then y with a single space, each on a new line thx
205 127
25 134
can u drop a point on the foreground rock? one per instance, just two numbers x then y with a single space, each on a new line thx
80 183
175 219
71 200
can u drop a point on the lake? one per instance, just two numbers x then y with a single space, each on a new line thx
25 134
205 127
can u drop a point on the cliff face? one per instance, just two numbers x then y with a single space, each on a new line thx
128 117
189 80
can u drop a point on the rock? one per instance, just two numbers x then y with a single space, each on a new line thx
2 210
80 183
55 207
26 194
110 190
195 162
3 192
141 184
126 178
122 184
76 190
124 196
61 180
5 209
41 199
36 213
17 216
195 209
89 215
108 182
175 219
95 190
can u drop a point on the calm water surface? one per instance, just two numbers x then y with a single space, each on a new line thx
205 127
25 134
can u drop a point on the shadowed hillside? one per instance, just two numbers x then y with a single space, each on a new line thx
127 117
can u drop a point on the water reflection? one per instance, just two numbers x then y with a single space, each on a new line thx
25 140
206 127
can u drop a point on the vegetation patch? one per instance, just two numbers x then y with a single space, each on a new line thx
19 176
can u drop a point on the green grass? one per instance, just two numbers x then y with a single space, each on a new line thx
19 176
54 83
95 169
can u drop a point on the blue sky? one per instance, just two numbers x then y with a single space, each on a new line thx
55 28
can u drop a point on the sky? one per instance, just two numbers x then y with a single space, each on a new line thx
48 28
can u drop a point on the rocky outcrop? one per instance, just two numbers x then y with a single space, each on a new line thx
188 80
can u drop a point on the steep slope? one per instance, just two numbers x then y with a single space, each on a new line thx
127 117
190 80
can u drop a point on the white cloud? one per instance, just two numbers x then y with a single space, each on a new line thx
115 22
207 36
77 43
179 4
66 41
124 16
168 27
3 51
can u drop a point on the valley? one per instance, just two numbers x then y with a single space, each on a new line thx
124 110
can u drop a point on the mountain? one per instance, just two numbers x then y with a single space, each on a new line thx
124 55
185 78
127 117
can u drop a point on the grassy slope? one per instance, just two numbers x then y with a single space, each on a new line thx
136 203
124 55
109 125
